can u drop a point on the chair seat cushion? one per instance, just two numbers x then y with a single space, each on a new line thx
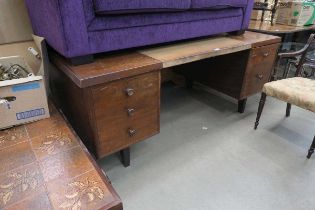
139 6
217 4
297 91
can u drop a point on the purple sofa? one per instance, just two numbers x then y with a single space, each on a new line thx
77 28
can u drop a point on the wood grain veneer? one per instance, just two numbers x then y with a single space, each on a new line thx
46 166
114 117
238 75
259 69
267 27
106 68
187 52
115 101
100 113
257 39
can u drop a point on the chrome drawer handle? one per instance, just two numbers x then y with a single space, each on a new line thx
130 91
132 132
259 76
131 112
266 54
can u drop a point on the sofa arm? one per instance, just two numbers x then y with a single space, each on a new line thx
247 14
62 23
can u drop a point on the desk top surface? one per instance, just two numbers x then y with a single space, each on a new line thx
190 51
110 67
266 27
44 165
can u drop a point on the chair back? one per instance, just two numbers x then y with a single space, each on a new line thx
310 44
301 53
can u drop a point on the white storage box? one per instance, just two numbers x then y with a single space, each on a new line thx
24 100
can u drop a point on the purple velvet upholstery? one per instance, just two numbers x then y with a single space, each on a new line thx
137 20
154 34
73 28
134 6
204 4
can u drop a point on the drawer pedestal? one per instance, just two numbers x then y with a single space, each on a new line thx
113 115
238 75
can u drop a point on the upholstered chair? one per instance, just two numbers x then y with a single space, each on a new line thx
296 91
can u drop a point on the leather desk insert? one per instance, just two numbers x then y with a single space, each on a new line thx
44 165
114 102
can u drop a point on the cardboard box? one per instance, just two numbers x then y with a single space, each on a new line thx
296 13
257 14
27 96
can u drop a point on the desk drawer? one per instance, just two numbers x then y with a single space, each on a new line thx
259 68
112 100
131 89
113 138
126 111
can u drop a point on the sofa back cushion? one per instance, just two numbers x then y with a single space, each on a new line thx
217 4
139 6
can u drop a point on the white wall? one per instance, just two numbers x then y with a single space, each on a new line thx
14 22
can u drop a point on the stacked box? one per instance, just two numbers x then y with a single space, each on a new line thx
296 13
256 14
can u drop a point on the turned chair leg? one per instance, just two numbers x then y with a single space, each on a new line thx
311 150
288 111
260 108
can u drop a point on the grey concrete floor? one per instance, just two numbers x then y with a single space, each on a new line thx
208 156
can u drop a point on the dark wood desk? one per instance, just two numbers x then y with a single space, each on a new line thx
115 101
44 165
268 28
287 32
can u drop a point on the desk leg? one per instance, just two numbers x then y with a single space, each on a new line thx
189 83
125 156
242 105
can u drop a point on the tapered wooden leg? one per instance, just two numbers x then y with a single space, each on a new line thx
125 157
288 111
260 108
242 105
311 150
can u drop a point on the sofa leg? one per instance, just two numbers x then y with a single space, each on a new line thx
125 156
288 111
237 33
242 105
80 60
260 108
311 150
